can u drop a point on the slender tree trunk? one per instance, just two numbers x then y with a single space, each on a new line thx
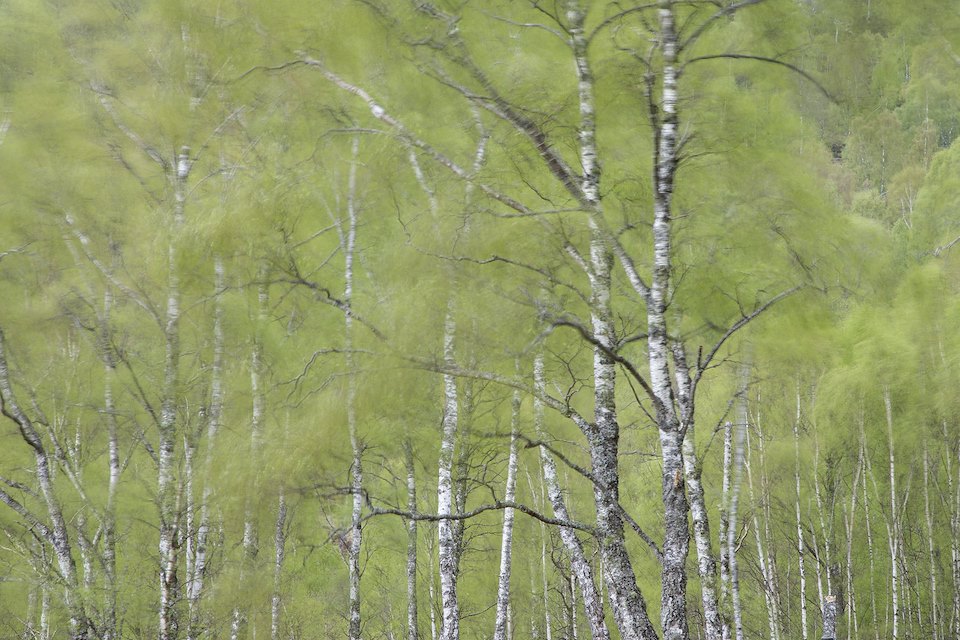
738 460
724 527
348 241
167 486
580 567
45 614
676 543
849 519
431 590
934 618
953 490
279 546
892 527
547 622
199 553
800 547
412 626
450 626
29 630
762 559
506 540
869 532
706 564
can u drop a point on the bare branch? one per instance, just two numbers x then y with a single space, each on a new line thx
946 247
791 67
640 532
466 515
617 16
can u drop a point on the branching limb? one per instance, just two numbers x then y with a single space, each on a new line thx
736 326
27 515
499 505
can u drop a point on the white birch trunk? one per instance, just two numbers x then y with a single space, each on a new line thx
673 577
849 519
800 547
827 559
953 495
506 538
892 526
738 461
412 615
349 246
167 489
450 619
199 553
869 531
724 527
762 559
706 564
934 618
279 546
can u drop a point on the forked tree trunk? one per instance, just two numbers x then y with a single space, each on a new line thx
626 601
